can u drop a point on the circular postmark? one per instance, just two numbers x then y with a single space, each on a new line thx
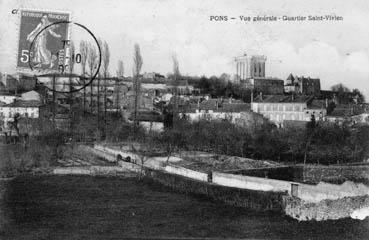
38 41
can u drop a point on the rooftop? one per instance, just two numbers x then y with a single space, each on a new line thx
148 116
282 99
306 78
219 105
24 104
291 77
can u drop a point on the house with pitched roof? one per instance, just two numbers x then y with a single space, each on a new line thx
149 120
30 109
302 85
280 108
7 97
217 109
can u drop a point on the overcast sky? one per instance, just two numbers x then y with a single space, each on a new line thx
336 52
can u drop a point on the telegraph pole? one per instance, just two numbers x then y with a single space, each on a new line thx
105 113
54 104
98 104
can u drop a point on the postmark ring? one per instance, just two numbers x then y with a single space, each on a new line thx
93 36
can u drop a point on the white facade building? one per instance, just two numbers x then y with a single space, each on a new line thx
30 109
280 108
7 98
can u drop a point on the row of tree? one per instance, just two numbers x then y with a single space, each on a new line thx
320 143
342 95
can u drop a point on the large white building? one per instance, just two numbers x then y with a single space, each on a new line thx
30 109
217 109
280 108
7 98
26 105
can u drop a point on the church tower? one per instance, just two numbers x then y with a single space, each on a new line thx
257 66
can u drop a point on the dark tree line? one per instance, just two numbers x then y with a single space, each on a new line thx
345 95
320 143
220 87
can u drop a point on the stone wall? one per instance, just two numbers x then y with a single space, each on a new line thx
281 173
311 174
251 183
356 173
257 200
307 192
96 170
326 209
323 191
187 173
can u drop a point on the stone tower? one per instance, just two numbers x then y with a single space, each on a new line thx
250 67
257 66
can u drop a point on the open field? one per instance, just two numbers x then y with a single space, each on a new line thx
76 207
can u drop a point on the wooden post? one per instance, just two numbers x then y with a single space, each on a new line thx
54 98
294 189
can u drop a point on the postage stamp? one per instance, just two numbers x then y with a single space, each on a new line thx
39 45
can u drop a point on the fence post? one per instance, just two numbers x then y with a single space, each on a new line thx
294 189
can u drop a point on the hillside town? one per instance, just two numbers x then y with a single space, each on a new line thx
154 120
249 94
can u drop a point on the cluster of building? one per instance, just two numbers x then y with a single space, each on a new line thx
27 105
295 100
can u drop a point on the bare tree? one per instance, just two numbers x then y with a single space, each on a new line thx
92 59
71 67
176 76
100 76
120 75
175 66
106 60
83 48
120 71
137 60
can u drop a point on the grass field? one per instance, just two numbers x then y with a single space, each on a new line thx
76 207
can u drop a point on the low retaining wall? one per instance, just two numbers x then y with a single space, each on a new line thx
323 191
252 183
187 173
326 209
306 192
72 170
257 200
289 173
181 178
311 173
92 170
357 173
